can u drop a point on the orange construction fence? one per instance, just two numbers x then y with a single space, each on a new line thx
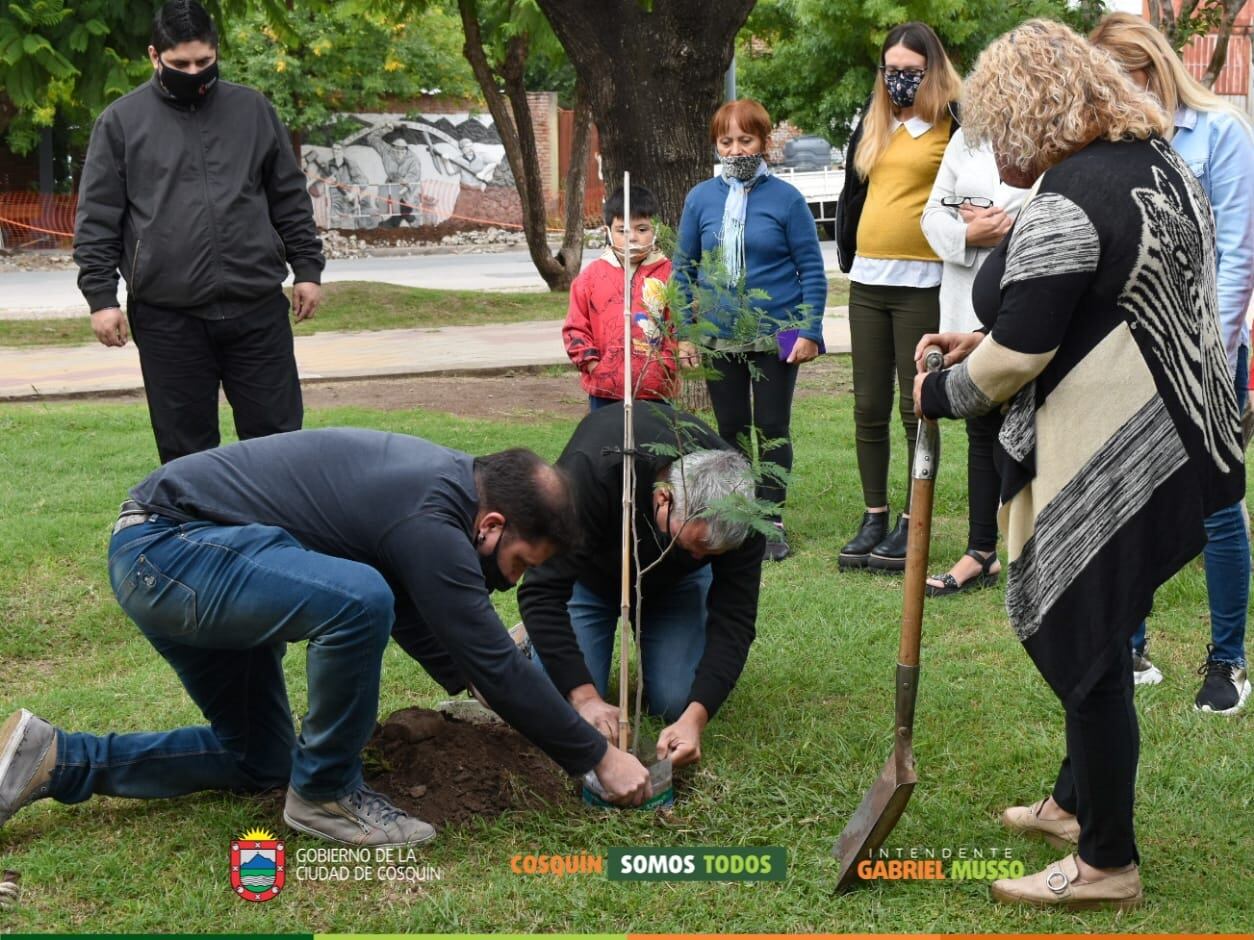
32 220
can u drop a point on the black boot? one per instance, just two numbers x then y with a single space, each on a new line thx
890 554
856 552
778 550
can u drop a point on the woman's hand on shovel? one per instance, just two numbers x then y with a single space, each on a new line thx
955 346
624 778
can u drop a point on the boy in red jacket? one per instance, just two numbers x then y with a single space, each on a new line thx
593 332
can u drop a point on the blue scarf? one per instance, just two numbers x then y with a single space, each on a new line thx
733 233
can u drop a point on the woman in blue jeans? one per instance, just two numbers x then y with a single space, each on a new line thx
1217 143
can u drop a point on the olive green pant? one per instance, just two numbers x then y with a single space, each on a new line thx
885 326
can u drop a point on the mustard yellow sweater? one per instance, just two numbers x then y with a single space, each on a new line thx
899 188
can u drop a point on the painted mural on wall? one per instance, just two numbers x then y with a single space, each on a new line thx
391 170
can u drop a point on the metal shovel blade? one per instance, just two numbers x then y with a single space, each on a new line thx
878 813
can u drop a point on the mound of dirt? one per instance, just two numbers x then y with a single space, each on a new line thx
446 771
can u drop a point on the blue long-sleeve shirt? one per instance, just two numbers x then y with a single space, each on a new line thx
782 258
1219 149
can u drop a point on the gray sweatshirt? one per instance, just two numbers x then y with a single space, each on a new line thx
406 507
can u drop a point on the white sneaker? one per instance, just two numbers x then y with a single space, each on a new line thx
1144 672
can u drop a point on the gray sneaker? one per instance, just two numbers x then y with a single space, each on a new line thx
364 817
28 755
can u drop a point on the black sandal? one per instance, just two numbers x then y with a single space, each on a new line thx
976 582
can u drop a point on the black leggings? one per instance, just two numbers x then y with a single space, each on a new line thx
763 400
885 325
1097 779
983 483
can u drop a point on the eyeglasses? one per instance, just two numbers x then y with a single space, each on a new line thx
911 74
978 202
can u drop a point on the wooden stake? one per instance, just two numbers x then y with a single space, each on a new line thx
629 481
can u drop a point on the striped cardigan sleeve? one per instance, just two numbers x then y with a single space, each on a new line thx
1050 261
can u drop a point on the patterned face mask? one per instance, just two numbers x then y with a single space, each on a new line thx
741 168
903 85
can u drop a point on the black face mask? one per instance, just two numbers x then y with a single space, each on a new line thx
490 565
184 86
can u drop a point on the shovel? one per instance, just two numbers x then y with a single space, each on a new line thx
886 800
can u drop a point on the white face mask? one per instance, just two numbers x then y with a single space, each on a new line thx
638 252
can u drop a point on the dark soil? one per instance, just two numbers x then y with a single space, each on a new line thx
450 772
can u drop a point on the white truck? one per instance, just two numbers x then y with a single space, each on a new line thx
821 189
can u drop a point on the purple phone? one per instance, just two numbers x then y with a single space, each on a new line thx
788 339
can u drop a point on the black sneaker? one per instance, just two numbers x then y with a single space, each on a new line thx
890 554
856 552
777 549
1225 687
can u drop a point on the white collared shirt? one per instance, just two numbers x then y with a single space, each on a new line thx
916 127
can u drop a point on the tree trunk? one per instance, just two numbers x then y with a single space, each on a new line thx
571 253
512 116
654 79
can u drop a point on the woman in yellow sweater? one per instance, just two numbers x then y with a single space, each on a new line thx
894 295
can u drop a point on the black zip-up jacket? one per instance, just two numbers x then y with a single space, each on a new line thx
594 461
200 207
853 194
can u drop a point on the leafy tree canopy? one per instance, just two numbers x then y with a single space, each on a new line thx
67 59
813 61
351 56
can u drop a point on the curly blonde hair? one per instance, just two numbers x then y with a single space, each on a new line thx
1041 92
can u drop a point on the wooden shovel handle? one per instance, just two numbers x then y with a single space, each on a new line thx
922 488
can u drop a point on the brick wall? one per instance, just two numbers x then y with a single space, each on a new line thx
543 105
496 205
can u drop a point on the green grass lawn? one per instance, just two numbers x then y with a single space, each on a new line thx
348 305
364 305
786 761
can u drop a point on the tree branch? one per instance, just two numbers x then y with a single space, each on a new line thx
571 254
1219 57
513 124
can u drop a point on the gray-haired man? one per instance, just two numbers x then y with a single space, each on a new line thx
700 597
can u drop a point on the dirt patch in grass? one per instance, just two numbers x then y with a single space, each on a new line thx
450 772
519 395
514 396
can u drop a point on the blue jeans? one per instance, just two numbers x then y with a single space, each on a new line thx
220 604
674 639
1227 561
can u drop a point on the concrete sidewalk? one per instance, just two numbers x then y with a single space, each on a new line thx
35 372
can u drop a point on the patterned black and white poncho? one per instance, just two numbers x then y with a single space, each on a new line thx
1121 429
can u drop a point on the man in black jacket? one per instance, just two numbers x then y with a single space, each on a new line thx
700 593
191 190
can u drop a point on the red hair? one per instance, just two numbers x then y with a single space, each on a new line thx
748 114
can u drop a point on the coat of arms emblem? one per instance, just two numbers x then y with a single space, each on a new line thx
257 866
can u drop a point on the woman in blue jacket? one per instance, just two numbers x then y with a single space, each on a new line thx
749 265
1217 142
